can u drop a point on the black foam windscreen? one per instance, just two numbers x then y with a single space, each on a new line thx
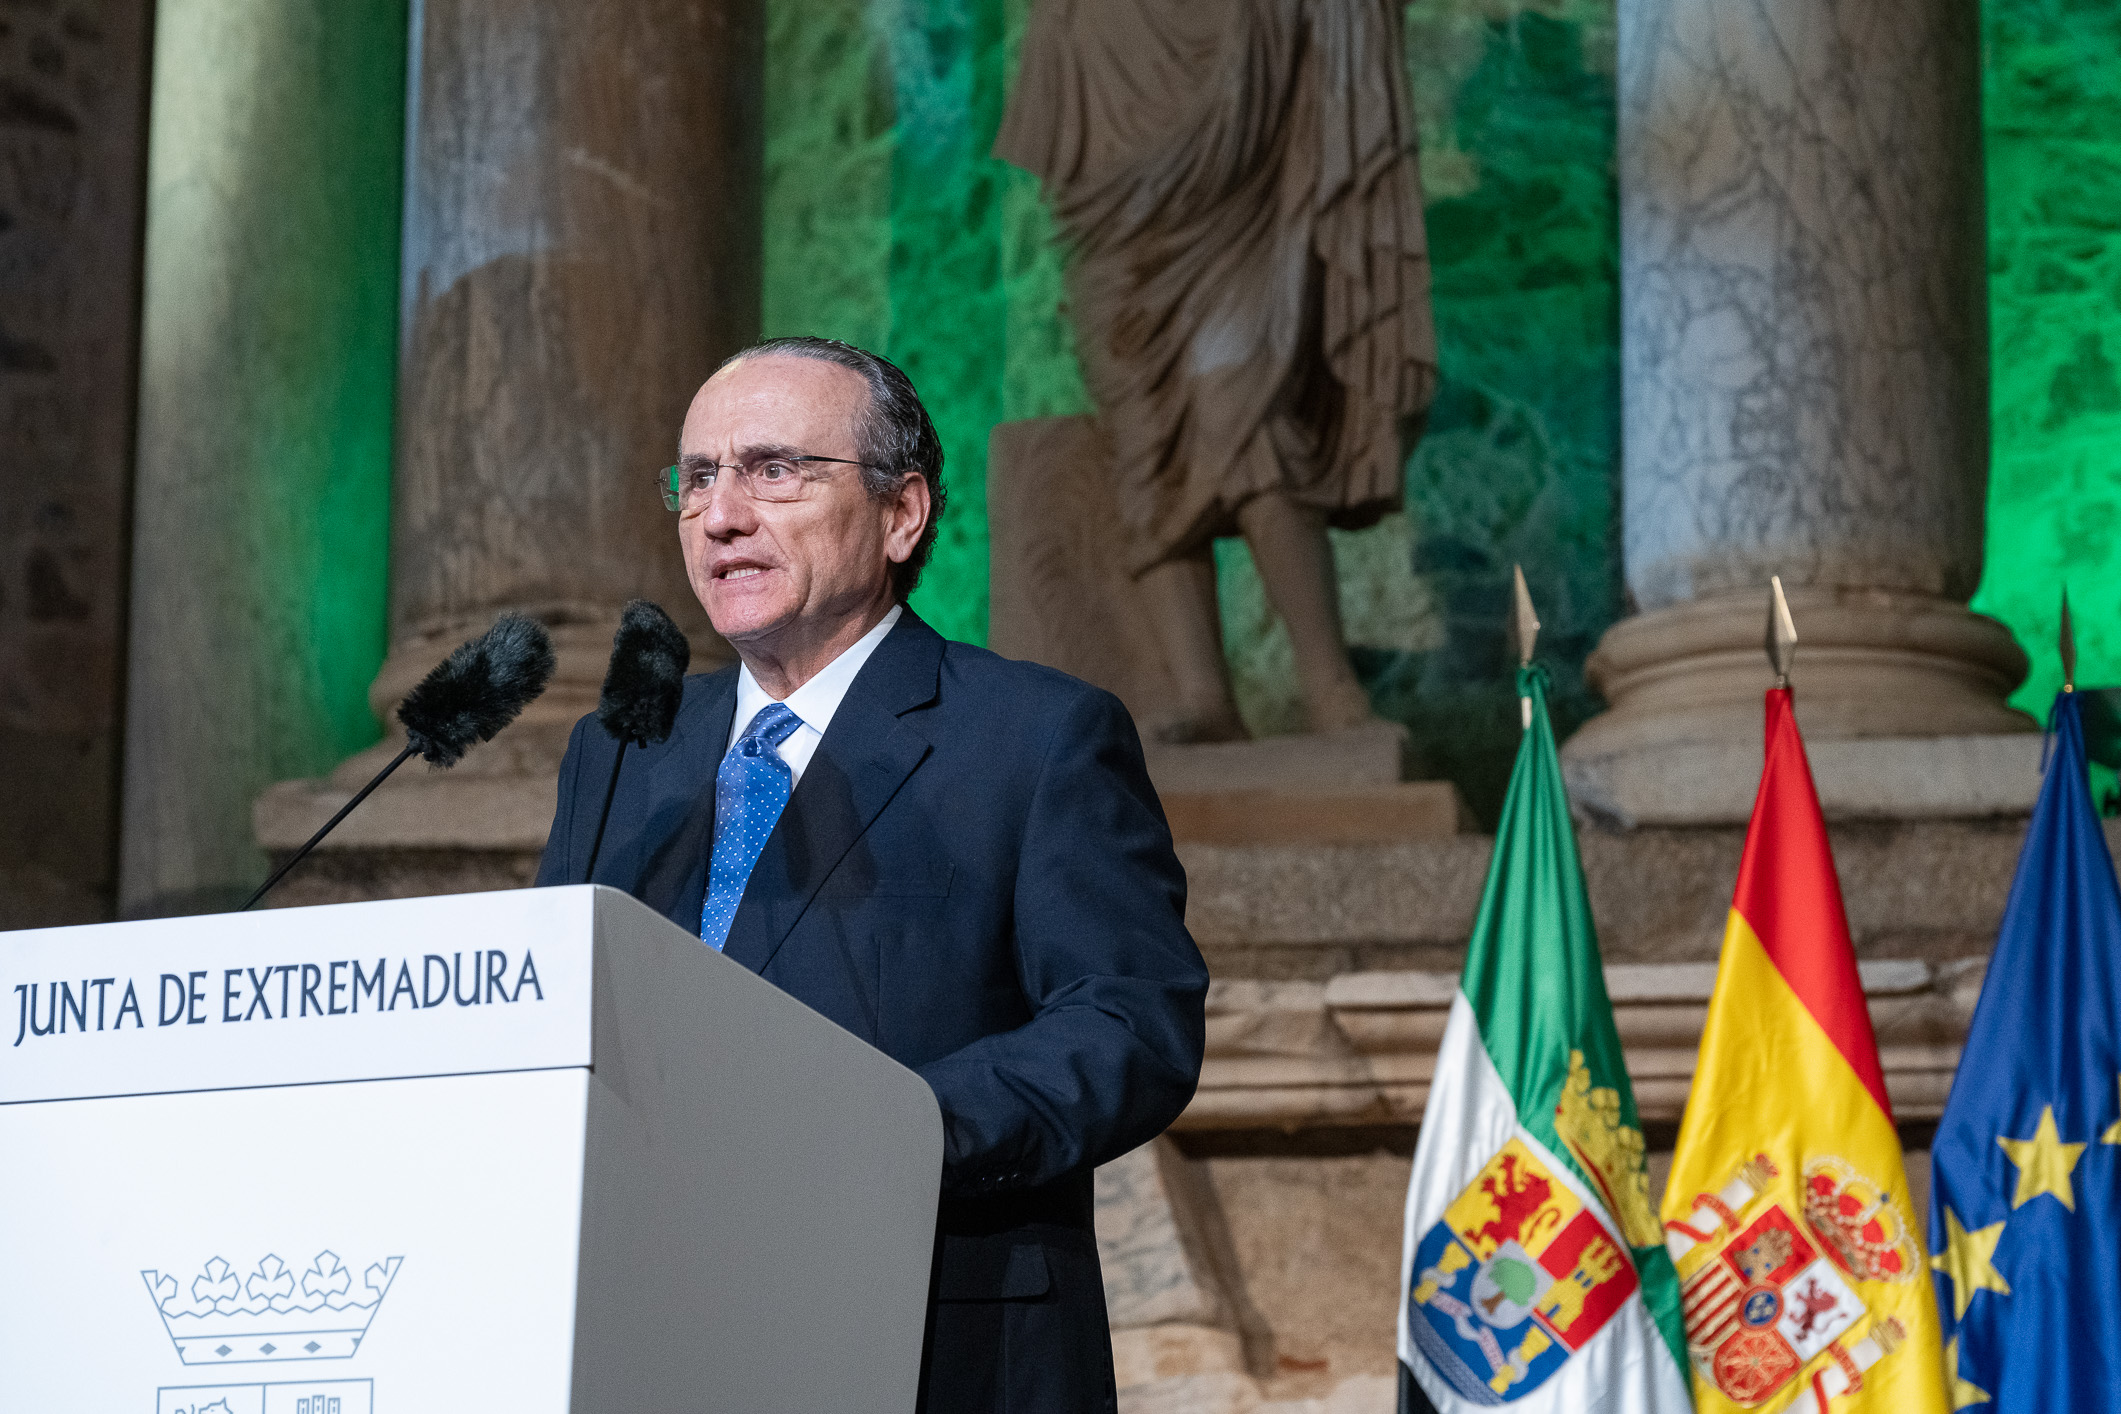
478 689
646 680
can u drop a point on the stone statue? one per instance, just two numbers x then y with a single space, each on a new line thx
1250 290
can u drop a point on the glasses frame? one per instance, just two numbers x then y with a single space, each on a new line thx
667 480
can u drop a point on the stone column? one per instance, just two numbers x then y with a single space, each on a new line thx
275 153
582 246
1805 393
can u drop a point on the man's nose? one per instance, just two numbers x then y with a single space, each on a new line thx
726 511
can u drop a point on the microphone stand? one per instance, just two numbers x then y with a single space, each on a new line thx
611 790
330 825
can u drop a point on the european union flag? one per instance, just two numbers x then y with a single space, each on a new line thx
2025 1196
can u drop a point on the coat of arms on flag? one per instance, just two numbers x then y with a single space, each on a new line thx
1764 1296
1516 1276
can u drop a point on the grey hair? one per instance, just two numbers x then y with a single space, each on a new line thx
894 439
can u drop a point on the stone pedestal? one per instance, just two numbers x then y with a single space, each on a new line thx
581 250
1900 695
1361 757
1804 384
1061 595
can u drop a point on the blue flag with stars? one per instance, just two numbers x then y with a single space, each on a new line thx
2025 1201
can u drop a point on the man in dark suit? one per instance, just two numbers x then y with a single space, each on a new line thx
956 857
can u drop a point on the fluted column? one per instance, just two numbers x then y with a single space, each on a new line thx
1804 386
582 247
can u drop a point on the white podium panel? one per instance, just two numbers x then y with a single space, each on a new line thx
602 1168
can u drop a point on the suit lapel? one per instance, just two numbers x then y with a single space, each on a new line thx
680 814
865 757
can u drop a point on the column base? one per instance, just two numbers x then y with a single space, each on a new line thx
1901 698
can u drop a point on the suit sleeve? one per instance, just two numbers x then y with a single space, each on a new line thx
1112 1052
554 866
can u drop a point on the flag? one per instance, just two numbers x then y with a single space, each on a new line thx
1802 1281
1531 1272
2025 1188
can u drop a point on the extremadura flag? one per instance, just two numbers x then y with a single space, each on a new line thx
1531 1272
2025 1196
1801 1278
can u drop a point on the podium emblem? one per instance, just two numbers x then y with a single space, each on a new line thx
219 1318
280 1397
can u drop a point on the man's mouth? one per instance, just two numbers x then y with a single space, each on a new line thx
741 572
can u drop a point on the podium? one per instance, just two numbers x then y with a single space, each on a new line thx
522 1151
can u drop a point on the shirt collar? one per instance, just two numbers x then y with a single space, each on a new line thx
818 699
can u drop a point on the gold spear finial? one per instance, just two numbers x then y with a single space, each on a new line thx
1527 621
1527 635
1781 632
2069 646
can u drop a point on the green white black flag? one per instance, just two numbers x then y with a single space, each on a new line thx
1534 1271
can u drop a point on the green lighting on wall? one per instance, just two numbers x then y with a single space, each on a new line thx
888 224
2052 90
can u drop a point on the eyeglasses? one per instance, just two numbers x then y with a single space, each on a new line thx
762 477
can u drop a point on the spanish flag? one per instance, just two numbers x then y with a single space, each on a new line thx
1802 1280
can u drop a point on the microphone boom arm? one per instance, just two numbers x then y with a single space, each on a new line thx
329 825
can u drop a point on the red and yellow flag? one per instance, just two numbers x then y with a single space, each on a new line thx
1802 1282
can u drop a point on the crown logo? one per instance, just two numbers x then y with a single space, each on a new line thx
1589 1121
1858 1221
271 1314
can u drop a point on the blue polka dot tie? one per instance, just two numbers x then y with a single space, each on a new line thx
750 791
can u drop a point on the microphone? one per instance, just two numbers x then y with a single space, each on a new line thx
472 694
642 691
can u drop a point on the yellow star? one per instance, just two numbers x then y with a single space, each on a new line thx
2044 1163
1968 1259
2113 1131
1964 1392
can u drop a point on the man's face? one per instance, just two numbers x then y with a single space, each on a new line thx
761 568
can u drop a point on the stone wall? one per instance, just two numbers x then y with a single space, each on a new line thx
1333 969
73 90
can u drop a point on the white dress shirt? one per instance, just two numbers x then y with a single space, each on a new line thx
815 701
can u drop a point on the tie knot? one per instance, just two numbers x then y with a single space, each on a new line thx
774 724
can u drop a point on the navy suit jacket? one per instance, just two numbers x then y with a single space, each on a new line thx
975 876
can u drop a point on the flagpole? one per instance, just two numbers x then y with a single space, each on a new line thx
2067 636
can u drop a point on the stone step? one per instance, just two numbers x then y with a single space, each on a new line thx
1410 810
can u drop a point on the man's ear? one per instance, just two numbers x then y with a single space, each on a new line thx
908 518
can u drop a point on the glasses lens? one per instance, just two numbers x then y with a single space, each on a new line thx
774 480
766 479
